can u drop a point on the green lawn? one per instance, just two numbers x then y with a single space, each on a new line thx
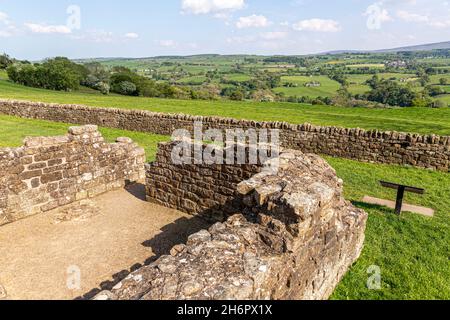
419 120
13 130
412 251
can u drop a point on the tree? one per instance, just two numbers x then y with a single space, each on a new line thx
391 93
5 61
54 74
434 91
373 82
103 87
126 88
443 81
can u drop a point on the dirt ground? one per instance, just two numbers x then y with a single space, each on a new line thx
73 252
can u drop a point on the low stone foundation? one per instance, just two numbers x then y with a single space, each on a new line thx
47 173
294 238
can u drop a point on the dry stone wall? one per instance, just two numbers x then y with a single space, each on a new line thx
47 173
294 238
424 151
210 190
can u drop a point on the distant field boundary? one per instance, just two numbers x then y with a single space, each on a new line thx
390 147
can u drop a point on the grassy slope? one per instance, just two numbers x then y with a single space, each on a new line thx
328 87
411 251
419 120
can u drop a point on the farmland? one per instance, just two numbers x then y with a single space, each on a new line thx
294 78
419 120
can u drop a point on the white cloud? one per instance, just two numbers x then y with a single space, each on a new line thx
424 19
46 29
8 29
439 24
167 43
3 17
131 35
412 17
5 34
97 36
318 25
210 6
275 35
253 21
241 40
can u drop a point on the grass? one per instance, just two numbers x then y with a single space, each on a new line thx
367 65
238 77
13 130
362 78
418 120
412 251
328 87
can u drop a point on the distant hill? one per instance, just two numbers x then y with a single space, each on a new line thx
421 47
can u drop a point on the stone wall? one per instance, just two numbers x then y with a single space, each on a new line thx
424 151
209 190
47 173
294 238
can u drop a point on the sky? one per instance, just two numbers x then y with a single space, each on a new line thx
35 30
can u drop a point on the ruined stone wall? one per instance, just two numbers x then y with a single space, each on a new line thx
424 151
209 190
294 238
47 173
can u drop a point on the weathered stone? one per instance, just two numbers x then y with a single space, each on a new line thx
296 242
57 171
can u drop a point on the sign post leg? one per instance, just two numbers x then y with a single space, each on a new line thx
399 203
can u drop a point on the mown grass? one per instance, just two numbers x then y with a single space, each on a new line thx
14 130
413 252
418 120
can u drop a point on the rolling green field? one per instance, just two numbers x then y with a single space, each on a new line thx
412 251
328 87
238 77
367 65
419 120
361 78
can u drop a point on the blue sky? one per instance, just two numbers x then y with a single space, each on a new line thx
138 28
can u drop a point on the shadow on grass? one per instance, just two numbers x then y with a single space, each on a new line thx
372 207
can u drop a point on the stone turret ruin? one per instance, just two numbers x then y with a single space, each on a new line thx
290 234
